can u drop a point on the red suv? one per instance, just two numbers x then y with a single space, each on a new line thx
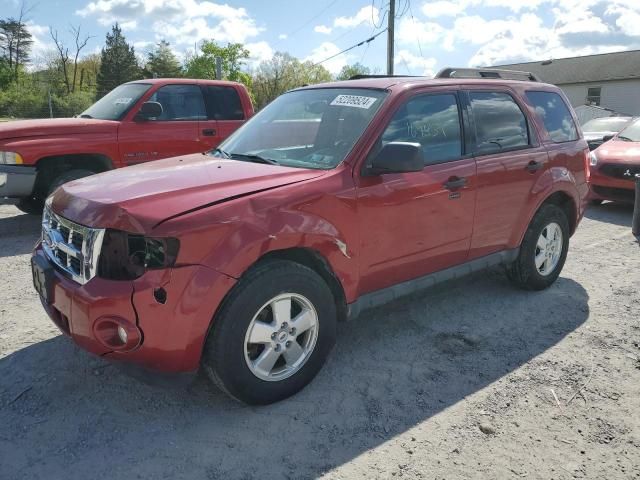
333 199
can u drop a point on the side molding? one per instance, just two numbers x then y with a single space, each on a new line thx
385 295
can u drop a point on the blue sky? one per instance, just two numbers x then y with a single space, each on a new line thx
429 35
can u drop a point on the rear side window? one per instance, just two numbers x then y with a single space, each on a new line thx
223 103
555 115
433 121
180 102
499 122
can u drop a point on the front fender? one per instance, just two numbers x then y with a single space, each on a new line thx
555 179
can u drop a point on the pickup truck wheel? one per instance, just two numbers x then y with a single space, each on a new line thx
68 177
543 250
31 205
273 334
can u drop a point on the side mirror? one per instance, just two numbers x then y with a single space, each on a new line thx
606 138
397 157
149 110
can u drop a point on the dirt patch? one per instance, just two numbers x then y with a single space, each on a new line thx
473 379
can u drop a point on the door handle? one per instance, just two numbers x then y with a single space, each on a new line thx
534 166
455 182
209 132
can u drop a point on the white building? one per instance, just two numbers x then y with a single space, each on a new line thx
609 80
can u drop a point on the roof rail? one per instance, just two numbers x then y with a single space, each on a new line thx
361 76
486 73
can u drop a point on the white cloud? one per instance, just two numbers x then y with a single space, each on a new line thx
326 50
442 9
410 32
415 64
283 36
182 22
259 51
368 15
43 47
322 29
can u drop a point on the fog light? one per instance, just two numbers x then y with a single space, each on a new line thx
122 334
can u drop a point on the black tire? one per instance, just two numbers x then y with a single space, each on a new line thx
224 353
31 205
68 177
523 271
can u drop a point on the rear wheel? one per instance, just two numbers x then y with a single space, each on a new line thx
543 250
273 333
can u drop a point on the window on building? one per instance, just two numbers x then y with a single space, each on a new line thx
593 96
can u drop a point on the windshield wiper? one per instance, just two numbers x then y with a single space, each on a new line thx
222 152
85 115
626 139
252 157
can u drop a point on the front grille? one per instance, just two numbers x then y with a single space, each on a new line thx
73 248
617 170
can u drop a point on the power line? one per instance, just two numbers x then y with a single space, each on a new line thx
331 4
414 24
368 40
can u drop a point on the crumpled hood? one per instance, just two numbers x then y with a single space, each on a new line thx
55 126
137 198
618 151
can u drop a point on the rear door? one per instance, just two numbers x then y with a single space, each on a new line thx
416 223
173 133
225 114
509 159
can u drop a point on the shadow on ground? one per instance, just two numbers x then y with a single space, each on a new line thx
611 212
66 414
18 234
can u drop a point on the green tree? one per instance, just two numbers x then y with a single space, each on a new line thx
15 43
282 73
5 73
349 71
162 62
118 63
233 57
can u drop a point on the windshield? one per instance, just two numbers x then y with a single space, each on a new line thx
607 124
631 133
115 104
313 128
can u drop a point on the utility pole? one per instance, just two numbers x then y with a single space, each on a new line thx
390 27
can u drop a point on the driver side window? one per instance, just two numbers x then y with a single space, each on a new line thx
433 121
180 102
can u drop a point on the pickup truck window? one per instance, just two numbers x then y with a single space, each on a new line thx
311 128
223 103
115 104
180 102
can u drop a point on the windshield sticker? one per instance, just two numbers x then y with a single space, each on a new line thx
122 101
353 101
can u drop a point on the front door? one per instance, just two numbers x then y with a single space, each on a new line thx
417 223
173 133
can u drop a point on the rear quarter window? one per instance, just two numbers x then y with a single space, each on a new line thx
555 115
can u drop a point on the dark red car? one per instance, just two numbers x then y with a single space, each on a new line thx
614 165
333 199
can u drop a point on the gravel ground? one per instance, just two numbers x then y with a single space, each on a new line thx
473 379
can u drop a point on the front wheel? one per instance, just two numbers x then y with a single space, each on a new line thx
68 176
543 250
273 334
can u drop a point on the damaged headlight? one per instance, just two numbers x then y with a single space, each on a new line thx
125 256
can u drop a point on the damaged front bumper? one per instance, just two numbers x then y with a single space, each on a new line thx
169 311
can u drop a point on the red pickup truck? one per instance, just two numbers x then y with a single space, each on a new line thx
136 122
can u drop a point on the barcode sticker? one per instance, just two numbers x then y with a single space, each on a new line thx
353 101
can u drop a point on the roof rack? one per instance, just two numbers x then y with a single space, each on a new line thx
486 73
